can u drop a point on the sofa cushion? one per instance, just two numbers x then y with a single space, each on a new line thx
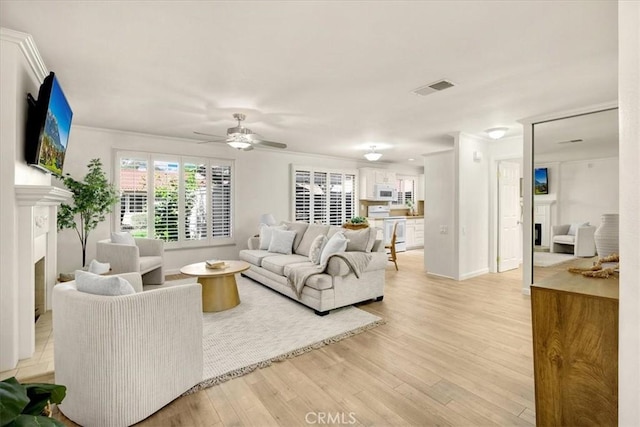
573 228
337 243
96 267
316 248
255 256
300 228
266 232
565 239
282 241
360 240
123 238
149 263
333 229
313 231
102 285
276 264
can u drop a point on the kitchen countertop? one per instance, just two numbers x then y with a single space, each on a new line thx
398 216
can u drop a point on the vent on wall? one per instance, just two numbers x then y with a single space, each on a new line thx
433 87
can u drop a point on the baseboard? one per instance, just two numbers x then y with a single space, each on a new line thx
439 275
526 291
475 273
172 271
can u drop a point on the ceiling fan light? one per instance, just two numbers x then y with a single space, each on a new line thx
372 156
496 133
239 145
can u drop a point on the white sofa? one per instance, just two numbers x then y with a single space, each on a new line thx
122 358
577 239
146 258
336 287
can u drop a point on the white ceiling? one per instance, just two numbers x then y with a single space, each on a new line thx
324 77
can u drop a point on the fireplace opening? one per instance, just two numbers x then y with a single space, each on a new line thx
39 284
537 241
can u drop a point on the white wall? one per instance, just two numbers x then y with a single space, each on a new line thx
262 181
473 205
629 93
587 189
440 256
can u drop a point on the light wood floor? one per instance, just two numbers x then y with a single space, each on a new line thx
451 353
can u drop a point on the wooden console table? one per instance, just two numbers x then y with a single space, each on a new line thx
575 350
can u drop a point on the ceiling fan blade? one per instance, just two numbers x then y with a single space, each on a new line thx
208 134
270 143
212 140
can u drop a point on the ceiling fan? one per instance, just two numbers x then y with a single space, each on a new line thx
240 137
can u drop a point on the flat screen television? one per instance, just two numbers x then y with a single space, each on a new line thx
541 181
48 126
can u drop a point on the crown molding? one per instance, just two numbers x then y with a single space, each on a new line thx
29 50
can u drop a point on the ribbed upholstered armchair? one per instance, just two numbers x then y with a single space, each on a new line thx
577 239
146 258
122 358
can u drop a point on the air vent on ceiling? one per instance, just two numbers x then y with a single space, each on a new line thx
433 87
571 141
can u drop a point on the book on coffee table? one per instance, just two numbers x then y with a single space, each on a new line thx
215 263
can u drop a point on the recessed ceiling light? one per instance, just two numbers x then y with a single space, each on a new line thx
411 159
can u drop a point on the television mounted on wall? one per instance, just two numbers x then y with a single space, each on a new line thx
48 125
541 181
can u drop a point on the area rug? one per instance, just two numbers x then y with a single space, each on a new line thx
267 327
547 259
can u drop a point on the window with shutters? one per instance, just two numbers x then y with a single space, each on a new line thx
192 198
323 195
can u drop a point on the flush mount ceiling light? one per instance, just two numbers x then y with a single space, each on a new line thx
496 133
238 142
372 156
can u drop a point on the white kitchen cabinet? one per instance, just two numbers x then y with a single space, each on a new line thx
369 177
420 187
378 224
415 233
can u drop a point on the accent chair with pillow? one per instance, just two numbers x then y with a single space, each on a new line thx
323 267
122 353
577 239
127 254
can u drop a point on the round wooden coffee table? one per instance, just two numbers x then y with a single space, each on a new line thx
219 287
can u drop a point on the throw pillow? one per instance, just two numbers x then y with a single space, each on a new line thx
361 240
102 285
282 241
96 267
266 232
313 231
337 243
123 238
300 228
573 229
316 248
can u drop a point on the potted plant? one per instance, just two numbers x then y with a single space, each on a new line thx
410 205
93 199
29 404
356 223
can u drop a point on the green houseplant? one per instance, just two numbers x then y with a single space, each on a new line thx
93 199
28 404
356 222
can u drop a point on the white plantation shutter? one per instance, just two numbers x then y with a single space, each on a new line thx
192 198
221 226
302 197
326 196
133 207
195 200
166 188
405 188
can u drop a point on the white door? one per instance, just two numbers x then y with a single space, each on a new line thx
509 211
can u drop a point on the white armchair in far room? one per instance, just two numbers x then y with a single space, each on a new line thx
145 257
577 239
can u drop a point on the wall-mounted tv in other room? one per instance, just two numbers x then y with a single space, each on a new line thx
541 181
48 126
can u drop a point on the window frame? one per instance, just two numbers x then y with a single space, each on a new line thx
210 162
399 183
312 170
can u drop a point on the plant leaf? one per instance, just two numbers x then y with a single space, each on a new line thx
13 399
39 394
36 421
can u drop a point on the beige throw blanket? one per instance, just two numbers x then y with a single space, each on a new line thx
357 262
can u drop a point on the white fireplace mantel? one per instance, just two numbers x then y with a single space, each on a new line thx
41 195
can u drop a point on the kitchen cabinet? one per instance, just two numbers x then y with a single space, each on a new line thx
369 177
575 350
377 223
420 187
415 233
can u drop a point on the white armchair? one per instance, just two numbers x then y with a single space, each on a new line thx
146 258
577 239
122 358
